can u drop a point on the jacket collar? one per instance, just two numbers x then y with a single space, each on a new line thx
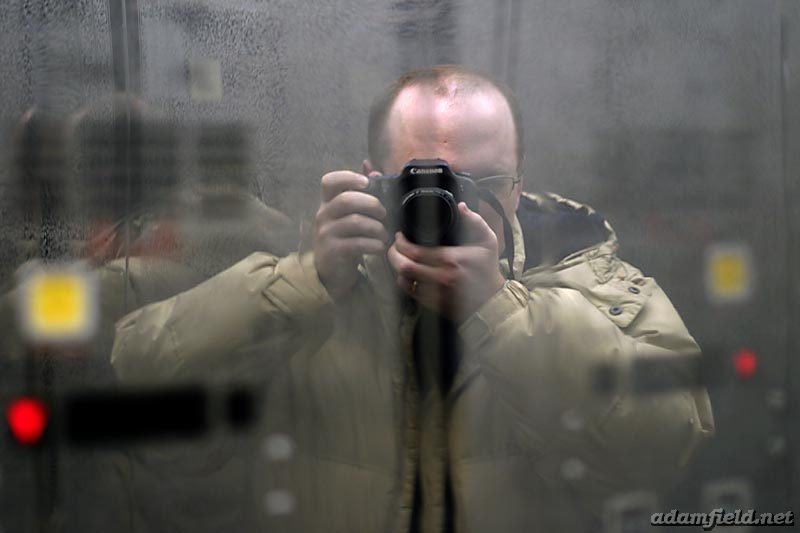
551 232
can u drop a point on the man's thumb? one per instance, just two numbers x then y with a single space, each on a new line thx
473 227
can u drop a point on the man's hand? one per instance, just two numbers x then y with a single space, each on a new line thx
347 226
453 280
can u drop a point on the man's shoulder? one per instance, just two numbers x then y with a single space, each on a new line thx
586 261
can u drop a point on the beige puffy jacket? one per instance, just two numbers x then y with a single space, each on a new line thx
528 443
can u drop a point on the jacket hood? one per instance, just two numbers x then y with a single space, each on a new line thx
552 228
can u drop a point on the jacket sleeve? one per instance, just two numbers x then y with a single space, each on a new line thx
238 322
539 348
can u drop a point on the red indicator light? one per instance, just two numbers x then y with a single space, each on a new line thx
745 362
27 418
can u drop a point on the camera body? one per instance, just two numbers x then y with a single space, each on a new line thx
422 201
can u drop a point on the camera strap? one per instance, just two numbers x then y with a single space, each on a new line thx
508 234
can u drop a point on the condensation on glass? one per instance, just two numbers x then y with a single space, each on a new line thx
170 154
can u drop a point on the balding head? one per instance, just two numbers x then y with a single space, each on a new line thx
443 86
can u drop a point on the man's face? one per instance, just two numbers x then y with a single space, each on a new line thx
473 132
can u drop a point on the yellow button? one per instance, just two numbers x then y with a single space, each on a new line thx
729 272
59 305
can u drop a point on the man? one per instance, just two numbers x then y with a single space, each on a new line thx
515 438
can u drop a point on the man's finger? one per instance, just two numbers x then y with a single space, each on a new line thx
474 229
428 255
335 183
356 225
409 286
427 294
410 269
359 246
352 202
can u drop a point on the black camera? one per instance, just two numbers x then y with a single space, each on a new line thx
422 201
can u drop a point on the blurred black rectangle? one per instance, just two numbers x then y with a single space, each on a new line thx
657 374
223 156
127 167
240 409
662 373
117 417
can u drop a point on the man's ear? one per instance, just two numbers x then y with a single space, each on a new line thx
368 169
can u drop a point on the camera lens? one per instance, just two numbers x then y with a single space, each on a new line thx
428 215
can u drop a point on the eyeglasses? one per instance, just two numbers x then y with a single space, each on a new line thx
500 186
